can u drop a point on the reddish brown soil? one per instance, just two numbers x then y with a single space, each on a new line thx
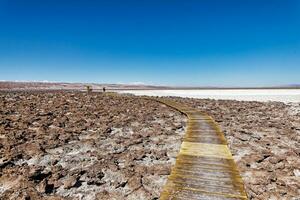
265 141
64 145
75 146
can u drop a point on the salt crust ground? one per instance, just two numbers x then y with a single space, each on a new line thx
263 95
75 146
264 138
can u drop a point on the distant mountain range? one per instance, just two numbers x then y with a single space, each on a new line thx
293 85
35 85
21 85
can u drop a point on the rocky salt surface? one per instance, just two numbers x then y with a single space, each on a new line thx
265 141
64 145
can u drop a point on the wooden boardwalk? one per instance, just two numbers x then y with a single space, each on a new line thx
204 167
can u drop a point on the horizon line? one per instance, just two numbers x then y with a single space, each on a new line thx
286 86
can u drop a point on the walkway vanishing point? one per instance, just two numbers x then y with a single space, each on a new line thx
204 167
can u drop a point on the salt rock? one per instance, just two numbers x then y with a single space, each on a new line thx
33 149
70 182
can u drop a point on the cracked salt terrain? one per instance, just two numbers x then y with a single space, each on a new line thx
66 145
264 138
72 146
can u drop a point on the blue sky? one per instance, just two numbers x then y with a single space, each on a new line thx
162 42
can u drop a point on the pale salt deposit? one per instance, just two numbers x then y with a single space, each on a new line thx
282 95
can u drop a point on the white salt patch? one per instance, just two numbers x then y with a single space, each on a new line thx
84 192
135 124
282 95
82 150
297 172
294 108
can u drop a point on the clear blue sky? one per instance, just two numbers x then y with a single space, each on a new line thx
164 42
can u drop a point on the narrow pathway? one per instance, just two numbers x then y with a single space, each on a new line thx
204 167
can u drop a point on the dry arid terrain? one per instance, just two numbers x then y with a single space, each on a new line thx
25 86
70 145
63 145
264 139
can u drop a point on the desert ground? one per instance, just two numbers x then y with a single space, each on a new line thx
70 145
66 145
264 138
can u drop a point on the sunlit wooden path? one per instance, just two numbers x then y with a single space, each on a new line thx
204 167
